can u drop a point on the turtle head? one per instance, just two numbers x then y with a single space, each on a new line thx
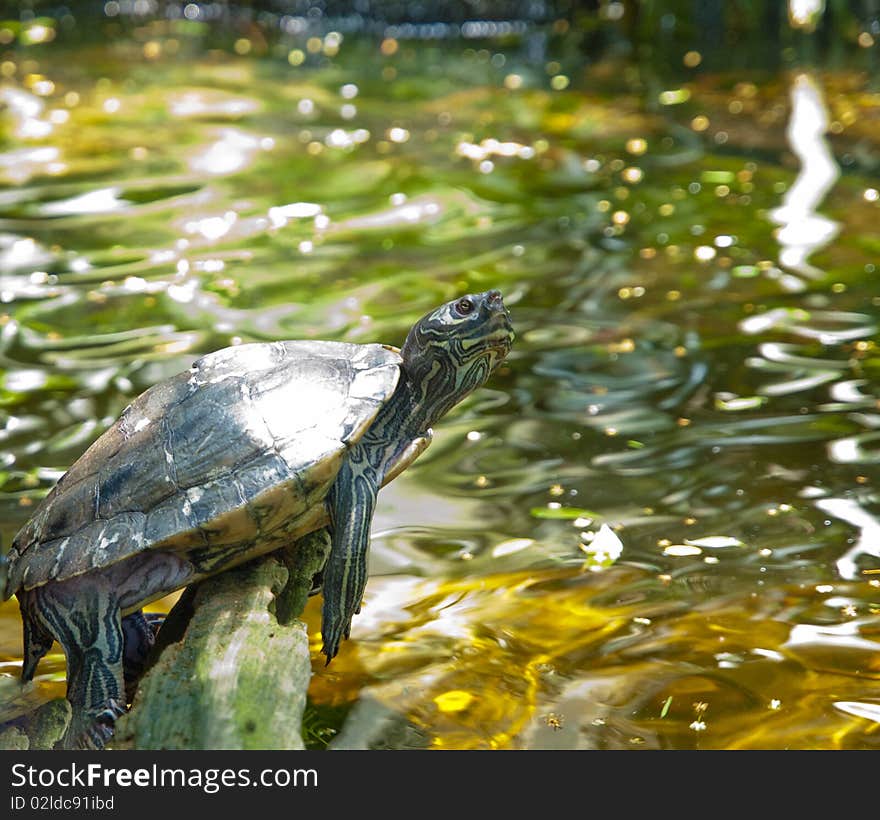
452 350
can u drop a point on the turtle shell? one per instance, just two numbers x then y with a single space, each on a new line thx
220 457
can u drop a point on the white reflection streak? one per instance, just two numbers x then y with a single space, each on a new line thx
805 13
421 209
25 110
21 164
397 593
233 151
839 635
199 104
21 252
803 231
101 201
869 711
868 542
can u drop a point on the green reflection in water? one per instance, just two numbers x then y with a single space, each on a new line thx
671 378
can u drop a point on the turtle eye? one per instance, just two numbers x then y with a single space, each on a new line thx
464 306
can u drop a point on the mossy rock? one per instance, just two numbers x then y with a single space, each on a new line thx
38 730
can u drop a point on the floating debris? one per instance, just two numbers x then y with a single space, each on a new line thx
682 550
714 542
603 549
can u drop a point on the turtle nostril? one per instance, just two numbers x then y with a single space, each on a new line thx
493 297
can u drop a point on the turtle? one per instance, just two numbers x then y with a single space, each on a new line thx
252 448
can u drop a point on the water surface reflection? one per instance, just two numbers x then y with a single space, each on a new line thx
688 388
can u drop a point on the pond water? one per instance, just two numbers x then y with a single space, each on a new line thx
689 258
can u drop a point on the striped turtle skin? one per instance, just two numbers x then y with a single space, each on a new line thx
249 450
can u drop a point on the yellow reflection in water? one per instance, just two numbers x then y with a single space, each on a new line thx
565 659
470 664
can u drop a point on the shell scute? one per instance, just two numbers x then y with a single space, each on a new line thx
99 543
272 490
211 432
170 524
127 483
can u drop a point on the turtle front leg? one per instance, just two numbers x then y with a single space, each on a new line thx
84 616
351 503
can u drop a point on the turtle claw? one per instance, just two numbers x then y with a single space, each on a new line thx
155 621
92 732
317 583
333 634
331 647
